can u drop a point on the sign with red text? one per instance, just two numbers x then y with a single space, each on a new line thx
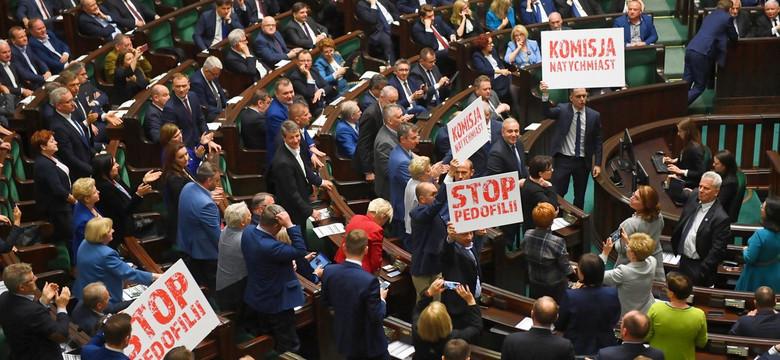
588 58
172 312
485 202
468 131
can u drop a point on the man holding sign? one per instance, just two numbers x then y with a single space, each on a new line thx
460 263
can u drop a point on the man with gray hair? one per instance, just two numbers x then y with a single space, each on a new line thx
240 60
293 175
97 21
259 202
9 76
231 268
73 138
347 129
205 83
701 235
93 305
386 140
375 86
199 225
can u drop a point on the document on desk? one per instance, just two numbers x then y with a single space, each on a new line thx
399 350
324 214
327 230
559 223
133 292
671 258
526 324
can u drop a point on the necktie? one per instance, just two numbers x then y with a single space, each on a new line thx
260 11
688 226
278 45
443 45
187 105
78 128
408 91
7 67
538 12
577 142
81 109
382 17
44 10
306 30
433 83
216 93
136 15
29 63
517 157
224 29
574 7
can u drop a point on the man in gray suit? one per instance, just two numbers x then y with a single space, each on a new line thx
386 140
483 89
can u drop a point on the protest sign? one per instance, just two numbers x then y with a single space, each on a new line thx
485 202
172 312
468 131
589 58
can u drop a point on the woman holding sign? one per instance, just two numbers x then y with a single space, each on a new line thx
548 260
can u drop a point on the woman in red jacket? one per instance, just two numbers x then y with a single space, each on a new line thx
379 212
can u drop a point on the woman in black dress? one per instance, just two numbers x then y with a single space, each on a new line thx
129 80
689 166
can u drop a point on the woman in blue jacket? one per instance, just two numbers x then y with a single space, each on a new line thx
522 51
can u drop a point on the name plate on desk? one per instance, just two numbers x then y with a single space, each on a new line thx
737 303
737 350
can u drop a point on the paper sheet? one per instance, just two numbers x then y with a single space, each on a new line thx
327 230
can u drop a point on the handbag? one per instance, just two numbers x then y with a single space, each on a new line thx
31 235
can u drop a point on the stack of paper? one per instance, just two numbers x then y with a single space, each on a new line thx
559 223
133 292
399 350
671 258
328 230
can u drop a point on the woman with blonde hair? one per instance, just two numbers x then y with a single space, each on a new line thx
501 15
646 219
634 281
86 195
379 213
463 22
432 325
521 50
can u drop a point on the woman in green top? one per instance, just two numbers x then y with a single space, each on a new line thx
675 326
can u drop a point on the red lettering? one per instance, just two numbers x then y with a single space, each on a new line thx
611 47
135 344
490 191
168 306
507 184
177 285
168 339
138 316
554 50
474 195
455 192
157 349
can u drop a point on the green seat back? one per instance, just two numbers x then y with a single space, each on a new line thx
160 36
707 157
282 23
592 24
120 159
640 67
223 177
347 48
142 113
16 156
272 86
557 95
736 204
185 24
175 3
148 3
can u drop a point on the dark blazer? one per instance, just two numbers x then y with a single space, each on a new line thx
74 150
358 310
428 39
744 25
116 205
7 244
243 65
536 343
483 67
346 139
24 69
502 159
713 235
47 56
52 186
421 75
89 25
6 80
267 51
531 17
429 231
122 15
370 123
414 85
424 350
763 28
125 90
275 115
564 114
591 7
480 158
727 195
412 6
646 28
250 16
293 185
712 37
253 129
272 285
153 121
475 24
692 159
296 37
533 194
366 101
27 326
200 86
458 266
96 350
765 324
85 318
171 194
375 18
206 28
398 171
29 9
629 351
588 316
303 88
191 126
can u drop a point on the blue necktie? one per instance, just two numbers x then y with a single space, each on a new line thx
382 18
519 162
538 12
576 12
577 142
224 29
433 83
688 226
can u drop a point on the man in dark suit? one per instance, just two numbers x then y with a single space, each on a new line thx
506 155
110 343
347 129
9 75
428 233
578 8
358 303
742 22
184 111
153 119
303 31
411 93
479 158
272 289
386 140
538 342
299 114
576 149
29 66
633 329
701 235
309 83
536 11
93 305
375 86
253 120
556 22
484 89
431 31
763 322
47 10
460 263
412 6
277 113
647 34
29 328
769 24
88 105
240 60
370 123
73 140
380 14
708 47
270 46
253 11
426 72
293 174
214 25
47 46
130 14
94 20
205 84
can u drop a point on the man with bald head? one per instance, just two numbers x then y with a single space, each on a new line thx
768 25
95 20
270 46
429 230
762 322
556 22
633 329
154 118
538 342
9 75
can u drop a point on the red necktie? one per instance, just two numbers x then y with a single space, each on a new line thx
187 105
136 15
441 40
46 15
260 9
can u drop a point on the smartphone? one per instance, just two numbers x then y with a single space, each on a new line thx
143 48
384 284
615 236
452 285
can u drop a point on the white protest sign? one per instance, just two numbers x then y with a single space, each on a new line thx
583 58
485 202
468 131
172 312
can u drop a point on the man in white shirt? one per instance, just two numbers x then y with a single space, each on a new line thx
240 60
